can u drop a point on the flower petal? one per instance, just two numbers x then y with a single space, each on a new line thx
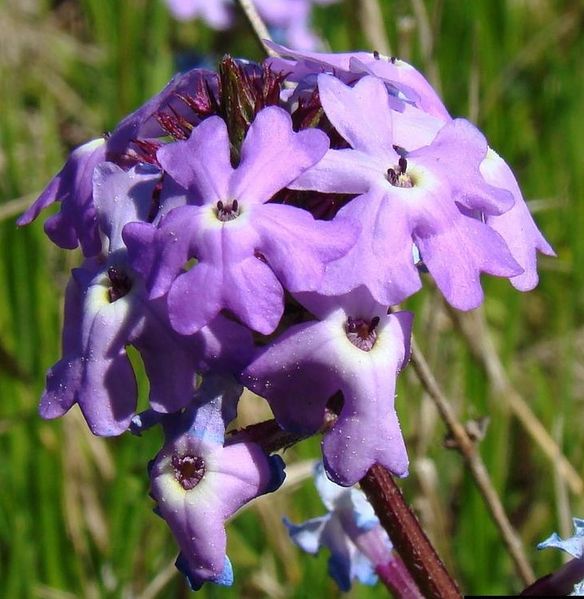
516 226
201 163
280 227
361 114
273 155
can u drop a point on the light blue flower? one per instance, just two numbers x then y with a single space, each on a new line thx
350 531
574 546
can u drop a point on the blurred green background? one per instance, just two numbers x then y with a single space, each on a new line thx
75 516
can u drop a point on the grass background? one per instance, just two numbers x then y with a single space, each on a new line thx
75 517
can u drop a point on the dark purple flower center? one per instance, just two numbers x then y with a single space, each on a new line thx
188 470
361 333
120 283
226 212
397 176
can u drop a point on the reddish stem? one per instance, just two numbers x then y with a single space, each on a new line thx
407 536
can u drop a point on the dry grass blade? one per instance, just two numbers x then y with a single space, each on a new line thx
373 26
475 464
474 329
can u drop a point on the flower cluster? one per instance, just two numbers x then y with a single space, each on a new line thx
288 20
252 227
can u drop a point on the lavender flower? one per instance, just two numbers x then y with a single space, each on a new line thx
73 187
418 192
216 13
242 245
107 308
199 481
177 106
357 348
288 20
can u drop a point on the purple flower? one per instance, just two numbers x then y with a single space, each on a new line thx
246 250
420 197
216 13
107 309
199 482
516 226
357 348
130 143
406 85
73 188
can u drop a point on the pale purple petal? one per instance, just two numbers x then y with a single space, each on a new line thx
342 171
253 293
201 163
413 128
280 227
76 222
516 226
368 419
195 299
99 376
121 197
381 259
457 151
296 375
159 253
456 249
361 114
401 73
273 155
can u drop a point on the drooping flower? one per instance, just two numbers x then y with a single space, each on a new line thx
107 308
242 244
199 481
418 197
72 186
359 547
357 348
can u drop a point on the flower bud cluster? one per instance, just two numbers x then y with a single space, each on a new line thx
252 227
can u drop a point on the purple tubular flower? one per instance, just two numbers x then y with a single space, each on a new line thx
198 482
355 348
350 531
73 186
76 222
242 246
418 194
107 308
